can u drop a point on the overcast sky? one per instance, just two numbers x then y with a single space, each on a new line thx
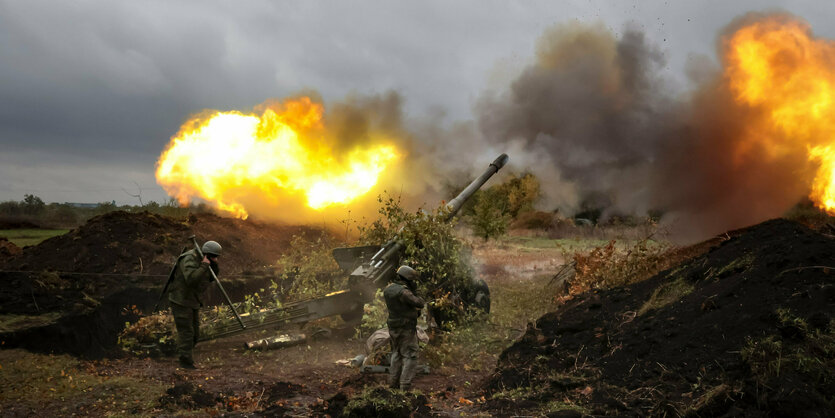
91 92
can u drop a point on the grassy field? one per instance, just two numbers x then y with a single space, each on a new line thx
24 237
568 244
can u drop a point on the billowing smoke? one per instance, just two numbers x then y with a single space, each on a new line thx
593 117
589 105
598 123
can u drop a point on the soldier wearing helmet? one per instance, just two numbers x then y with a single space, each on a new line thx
189 279
404 308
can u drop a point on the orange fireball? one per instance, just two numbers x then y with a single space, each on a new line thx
775 65
282 154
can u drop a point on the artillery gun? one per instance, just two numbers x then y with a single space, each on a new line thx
369 268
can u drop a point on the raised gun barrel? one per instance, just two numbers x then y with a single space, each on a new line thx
377 271
455 205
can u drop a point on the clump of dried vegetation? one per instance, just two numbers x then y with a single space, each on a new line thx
606 266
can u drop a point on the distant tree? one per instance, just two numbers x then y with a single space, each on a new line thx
10 208
489 218
151 206
173 209
32 205
106 207
517 194
521 193
63 214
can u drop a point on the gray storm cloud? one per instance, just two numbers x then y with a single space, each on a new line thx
599 114
594 119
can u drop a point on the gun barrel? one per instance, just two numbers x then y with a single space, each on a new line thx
455 204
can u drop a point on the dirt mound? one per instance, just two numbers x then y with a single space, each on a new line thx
122 242
8 248
283 390
384 402
331 407
74 292
187 396
734 330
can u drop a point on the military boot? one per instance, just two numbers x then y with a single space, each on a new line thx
395 367
187 363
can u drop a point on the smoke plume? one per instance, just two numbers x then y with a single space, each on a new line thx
595 120
599 109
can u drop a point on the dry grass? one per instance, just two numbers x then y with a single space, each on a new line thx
606 266
666 294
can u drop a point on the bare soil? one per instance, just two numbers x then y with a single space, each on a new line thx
606 354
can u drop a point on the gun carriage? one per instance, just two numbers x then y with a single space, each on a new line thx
369 268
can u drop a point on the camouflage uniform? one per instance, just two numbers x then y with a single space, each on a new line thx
404 309
188 281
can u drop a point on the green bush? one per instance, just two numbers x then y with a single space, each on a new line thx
491 210
521 193
309 268
431 248
489 218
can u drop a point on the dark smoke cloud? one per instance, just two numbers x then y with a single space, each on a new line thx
596 106
703 176
592 103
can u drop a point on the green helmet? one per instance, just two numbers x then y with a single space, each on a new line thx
407 273
211 248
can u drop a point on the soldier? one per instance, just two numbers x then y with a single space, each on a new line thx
189 280
404 308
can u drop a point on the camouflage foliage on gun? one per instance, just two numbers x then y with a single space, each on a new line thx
379 269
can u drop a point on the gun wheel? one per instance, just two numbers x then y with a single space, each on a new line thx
352 317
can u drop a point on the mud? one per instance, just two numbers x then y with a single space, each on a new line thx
332 406
187 396
609 353
90 329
